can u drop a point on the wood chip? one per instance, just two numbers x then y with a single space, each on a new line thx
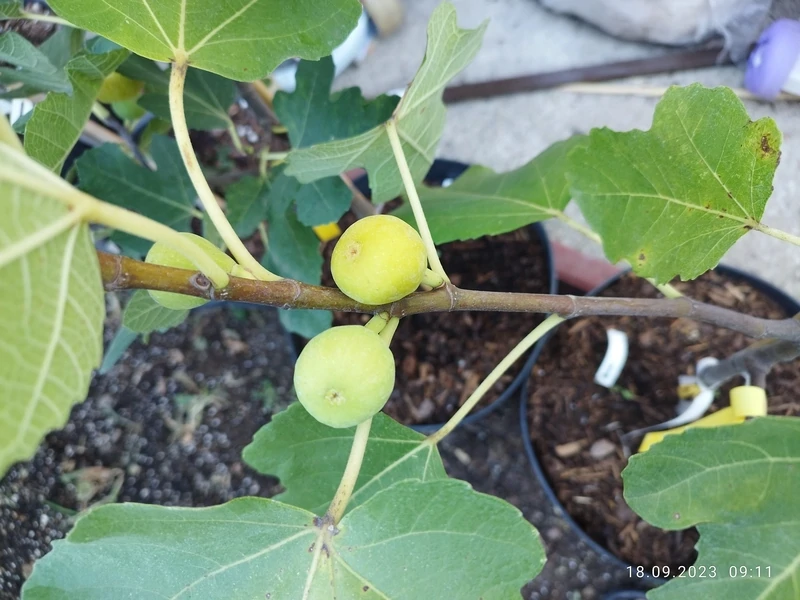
570 448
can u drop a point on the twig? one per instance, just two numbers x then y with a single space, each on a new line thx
615 89
361 204
756 361
120 272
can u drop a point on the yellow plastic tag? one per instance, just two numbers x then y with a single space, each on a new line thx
746 401
328 231
749 401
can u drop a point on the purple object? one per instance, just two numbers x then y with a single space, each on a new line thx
776 55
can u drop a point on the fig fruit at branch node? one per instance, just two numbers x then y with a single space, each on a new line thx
379 259
164 255
344 375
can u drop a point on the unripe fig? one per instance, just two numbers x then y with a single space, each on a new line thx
116 88
161 254
344 375
378 259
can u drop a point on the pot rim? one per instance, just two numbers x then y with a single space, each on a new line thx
790 304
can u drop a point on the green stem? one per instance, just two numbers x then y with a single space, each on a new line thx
19 169
378 322
237 141
528 341
124 220
387 333
9 136
273 156
45 18
667 289
434 280
262 233
777 233
209 202
101 112
579 227
348 483
413 199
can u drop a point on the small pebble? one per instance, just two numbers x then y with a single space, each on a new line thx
602 448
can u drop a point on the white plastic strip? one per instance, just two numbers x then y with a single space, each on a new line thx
614 360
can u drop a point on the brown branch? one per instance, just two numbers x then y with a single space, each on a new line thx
120 273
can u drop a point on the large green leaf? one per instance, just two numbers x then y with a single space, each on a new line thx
312 116
293 252
58 120
437 539
30 67
740 485
207 97
58 49
166 194
309 458
420 117
144 315
247 204
240 39
207 100
10 9
51 306
674 199
293 248
481 202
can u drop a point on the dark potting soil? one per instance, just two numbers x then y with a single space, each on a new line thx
576 425
442 357
166 425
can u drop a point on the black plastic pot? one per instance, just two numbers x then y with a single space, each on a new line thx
788 303
444 171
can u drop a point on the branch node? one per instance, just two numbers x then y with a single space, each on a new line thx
118 278
575 312
202 283
297 289
452 294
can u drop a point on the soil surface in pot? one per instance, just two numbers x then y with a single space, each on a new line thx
442 357
576 425
166 425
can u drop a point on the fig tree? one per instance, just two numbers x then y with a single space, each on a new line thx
344 375
379 259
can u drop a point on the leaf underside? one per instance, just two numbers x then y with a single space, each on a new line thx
51 311
57 121
165 195
144 315
419 116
